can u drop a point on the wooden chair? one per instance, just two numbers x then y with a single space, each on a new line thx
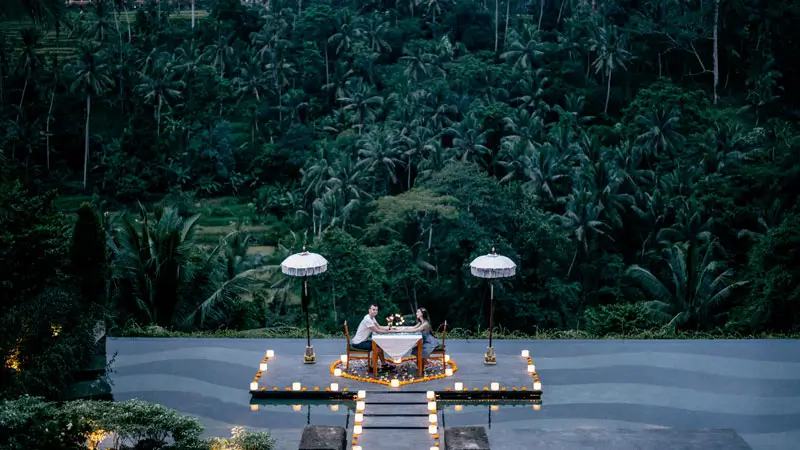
352 352
440 349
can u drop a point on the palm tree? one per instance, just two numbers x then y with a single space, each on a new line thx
159 87
611 55
661 130
160 281
693 288
92 79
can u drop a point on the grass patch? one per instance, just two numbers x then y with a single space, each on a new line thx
288 332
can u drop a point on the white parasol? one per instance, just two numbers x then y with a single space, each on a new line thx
305 264
492 266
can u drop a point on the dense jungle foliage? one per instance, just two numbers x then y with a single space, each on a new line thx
637 159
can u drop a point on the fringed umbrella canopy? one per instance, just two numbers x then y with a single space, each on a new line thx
493 266
304 264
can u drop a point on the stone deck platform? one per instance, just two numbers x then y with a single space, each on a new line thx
749 386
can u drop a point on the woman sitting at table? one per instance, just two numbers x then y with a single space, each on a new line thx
423 326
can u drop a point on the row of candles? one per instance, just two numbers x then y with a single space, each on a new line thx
537 386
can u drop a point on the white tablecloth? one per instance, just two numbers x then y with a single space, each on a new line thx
396 345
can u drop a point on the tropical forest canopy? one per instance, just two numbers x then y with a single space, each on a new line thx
637 159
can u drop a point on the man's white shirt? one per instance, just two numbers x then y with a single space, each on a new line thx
364 332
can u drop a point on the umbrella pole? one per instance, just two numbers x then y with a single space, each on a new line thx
309 357
489 357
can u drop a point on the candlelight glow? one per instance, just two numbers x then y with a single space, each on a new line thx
360 405
537 386
495 386
334 387
296 386
459 386
398 360
337 372
430 395
334 407
494 408
296 407
433 418
432 429
356 430
253 407
448 372
446 358
525 354
362 394
531 368
262 367
432 406
270 353
458 408
537 407
343 358
253 386
359 417
395 382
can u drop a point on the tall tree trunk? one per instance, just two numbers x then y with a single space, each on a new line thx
496 28
716 48
327 69
49 116
508 13
541 14
608 92
86 139
127 19
193 14
22 98
560 10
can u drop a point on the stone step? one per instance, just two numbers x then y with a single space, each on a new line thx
395 421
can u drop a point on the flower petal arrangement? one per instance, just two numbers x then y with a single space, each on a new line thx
405 372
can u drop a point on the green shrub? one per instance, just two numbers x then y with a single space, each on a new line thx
623 318
32 422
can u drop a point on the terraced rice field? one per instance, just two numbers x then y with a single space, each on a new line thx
50 43
65 45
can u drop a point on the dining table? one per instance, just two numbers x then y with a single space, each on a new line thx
395 345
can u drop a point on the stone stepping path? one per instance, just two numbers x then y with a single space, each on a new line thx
396 420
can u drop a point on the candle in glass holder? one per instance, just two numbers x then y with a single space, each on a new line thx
398 360
253 386
447 358
537 386
262 367
495 386
531 368
432 429
296 386
337 372
395 382
359 417
448 372
334 387
537 407
253 407
362 394
459 386
433 418
432 406
525 354
270 353
430 395
343 358
360 405
356 430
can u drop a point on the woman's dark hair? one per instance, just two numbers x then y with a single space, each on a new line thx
425 316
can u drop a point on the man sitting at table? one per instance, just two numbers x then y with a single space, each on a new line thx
363 338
